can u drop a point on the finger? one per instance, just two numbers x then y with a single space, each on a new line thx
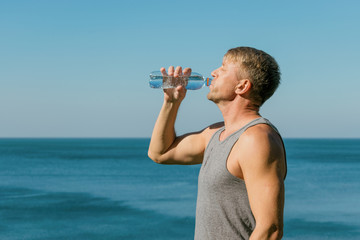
180 90
187 72
163 71
171 71
178 71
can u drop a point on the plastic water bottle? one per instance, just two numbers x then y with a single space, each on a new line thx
193 82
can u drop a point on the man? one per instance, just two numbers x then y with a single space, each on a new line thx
241 180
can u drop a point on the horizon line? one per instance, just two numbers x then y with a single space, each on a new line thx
150 137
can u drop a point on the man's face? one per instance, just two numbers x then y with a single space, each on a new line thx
225 79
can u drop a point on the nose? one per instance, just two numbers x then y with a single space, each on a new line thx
214 73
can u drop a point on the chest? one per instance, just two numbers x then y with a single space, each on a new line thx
219 167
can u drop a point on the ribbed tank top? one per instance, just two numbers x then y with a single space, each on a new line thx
222 208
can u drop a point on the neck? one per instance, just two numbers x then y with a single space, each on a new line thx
236 114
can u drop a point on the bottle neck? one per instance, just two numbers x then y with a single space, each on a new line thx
207 81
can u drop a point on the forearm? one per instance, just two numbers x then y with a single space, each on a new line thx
164 132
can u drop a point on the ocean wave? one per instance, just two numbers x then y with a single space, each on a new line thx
73 215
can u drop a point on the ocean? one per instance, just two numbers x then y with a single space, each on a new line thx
109 189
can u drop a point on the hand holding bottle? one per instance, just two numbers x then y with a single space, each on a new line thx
178 93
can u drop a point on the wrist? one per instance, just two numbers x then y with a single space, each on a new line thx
171 105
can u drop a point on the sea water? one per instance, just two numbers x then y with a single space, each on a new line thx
110 189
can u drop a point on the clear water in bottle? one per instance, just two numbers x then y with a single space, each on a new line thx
193 82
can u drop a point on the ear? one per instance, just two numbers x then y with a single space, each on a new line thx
244 86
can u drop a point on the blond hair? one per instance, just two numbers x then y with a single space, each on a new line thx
260 68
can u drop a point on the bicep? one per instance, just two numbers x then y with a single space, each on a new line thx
266 197
186 149
189 148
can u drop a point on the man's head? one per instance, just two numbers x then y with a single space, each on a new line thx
260 68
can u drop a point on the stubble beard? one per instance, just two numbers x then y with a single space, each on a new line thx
211 97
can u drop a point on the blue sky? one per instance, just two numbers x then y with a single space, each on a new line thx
80 68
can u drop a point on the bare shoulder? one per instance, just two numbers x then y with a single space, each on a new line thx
261 135
261 145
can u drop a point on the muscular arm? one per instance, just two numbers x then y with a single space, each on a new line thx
165 147
263 166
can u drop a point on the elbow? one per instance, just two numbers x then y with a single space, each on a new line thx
278 234
271 232
275 232
155 157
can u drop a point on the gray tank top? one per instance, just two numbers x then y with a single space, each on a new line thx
222 208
